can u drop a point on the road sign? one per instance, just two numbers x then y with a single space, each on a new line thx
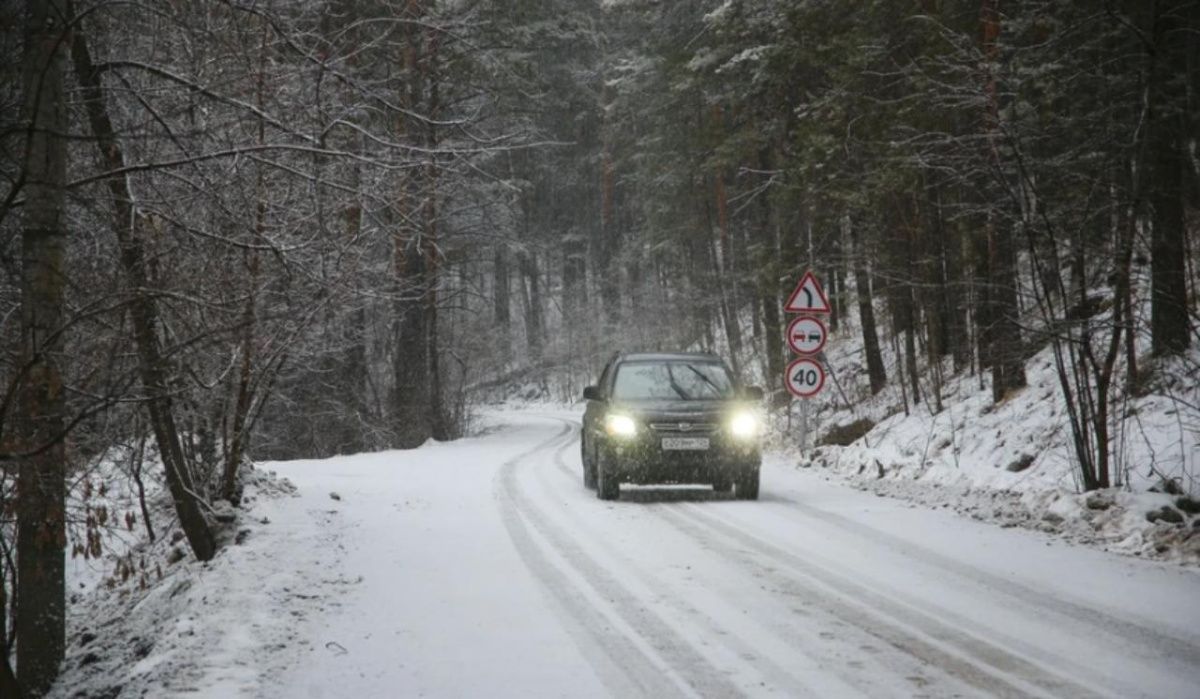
806 335
804 377
808 297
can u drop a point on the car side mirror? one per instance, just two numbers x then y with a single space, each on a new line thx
591 393
752 393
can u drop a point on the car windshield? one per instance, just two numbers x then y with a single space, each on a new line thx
677 380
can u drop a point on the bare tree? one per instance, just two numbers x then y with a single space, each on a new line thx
41 485
129 228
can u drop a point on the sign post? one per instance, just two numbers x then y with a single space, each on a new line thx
806 336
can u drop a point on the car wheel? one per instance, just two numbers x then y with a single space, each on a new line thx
589 466
607 485
747 486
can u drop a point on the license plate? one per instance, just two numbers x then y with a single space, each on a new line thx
685 443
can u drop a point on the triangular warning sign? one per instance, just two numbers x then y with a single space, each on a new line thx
808 297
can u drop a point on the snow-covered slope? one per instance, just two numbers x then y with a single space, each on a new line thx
1013 462
147 619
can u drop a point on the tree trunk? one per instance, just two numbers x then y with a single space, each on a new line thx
1008 361
143 314
357 371
723 259
230 487
910 357
441 425
769 291
876 371
1169 322
904 292
238 434
610 233
9 687
8 681
981 298
934 264
958 331
534 333
935 304
724 270
904 310
834 290
574 299
410 367
501 303
41 477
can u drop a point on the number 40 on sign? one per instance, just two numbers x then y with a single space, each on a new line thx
804 377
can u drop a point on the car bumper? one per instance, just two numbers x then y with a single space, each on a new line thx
646 462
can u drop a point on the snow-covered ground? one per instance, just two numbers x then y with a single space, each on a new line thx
484 568
1012 463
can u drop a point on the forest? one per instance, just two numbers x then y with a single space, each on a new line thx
234 230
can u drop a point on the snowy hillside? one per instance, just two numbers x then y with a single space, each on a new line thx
1012 463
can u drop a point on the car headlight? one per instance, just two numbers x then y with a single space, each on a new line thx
744 425
620 425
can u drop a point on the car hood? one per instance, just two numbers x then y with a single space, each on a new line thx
695 410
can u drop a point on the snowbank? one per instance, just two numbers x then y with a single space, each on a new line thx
153 621
1012 463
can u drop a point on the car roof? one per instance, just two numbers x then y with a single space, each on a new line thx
667 356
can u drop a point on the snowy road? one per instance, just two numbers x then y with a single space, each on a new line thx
484 568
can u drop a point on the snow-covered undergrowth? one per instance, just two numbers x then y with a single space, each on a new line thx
1013 462
147 619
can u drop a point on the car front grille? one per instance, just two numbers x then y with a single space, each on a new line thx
684 427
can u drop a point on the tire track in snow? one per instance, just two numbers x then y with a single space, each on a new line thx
780 659
1184 654
952 666
906 668
1151 643
641 654
1005 676
975 661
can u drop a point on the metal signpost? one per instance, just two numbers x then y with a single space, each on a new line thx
806 336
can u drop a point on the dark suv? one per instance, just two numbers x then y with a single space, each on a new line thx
671 418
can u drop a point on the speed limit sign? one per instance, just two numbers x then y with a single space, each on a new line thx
804 377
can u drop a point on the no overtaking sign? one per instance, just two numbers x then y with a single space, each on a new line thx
806 335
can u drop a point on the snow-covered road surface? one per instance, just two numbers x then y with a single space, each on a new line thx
485 568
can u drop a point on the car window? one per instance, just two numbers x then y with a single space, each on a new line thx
679 380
